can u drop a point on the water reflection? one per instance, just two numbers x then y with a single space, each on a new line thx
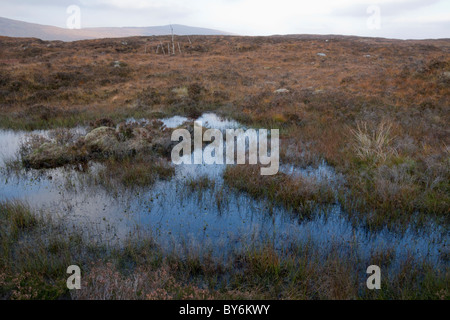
217 218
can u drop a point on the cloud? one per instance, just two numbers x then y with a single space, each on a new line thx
389 8
135 4
42 3
400 18
431 19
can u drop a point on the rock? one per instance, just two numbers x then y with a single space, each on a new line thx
101 143
118 64
321 54
128 141
102 139
180 93
48 155
281 91
445 77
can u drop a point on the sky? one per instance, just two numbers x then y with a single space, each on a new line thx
401 19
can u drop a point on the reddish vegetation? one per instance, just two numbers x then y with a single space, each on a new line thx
376 110
359 80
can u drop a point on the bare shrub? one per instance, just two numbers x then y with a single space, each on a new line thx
63 136
30 143
103 122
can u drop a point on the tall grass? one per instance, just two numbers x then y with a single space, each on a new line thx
374 145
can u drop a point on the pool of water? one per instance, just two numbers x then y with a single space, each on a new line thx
217 219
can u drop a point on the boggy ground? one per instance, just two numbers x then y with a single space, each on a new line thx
376 110
104 141
35 250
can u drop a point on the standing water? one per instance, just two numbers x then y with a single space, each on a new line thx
216 218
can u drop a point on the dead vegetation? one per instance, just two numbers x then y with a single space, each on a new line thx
35 251
375 109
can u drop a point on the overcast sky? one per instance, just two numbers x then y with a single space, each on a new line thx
404 19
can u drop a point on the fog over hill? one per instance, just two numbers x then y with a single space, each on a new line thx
15 28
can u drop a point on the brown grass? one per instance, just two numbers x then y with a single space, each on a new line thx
405 83
301 194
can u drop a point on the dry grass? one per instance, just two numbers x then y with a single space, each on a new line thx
35 258
132 172
396 170
376 145
301 194
392 96
105 282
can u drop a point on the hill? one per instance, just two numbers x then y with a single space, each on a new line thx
15 28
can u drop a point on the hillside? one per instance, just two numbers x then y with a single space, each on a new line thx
15 28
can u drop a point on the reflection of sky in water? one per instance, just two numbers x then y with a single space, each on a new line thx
174 121
177 218
211 120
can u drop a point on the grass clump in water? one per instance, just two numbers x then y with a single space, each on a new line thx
300 194
134 172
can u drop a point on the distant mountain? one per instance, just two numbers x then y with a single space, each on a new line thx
15 28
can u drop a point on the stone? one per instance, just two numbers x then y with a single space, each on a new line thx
102 139
48 155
